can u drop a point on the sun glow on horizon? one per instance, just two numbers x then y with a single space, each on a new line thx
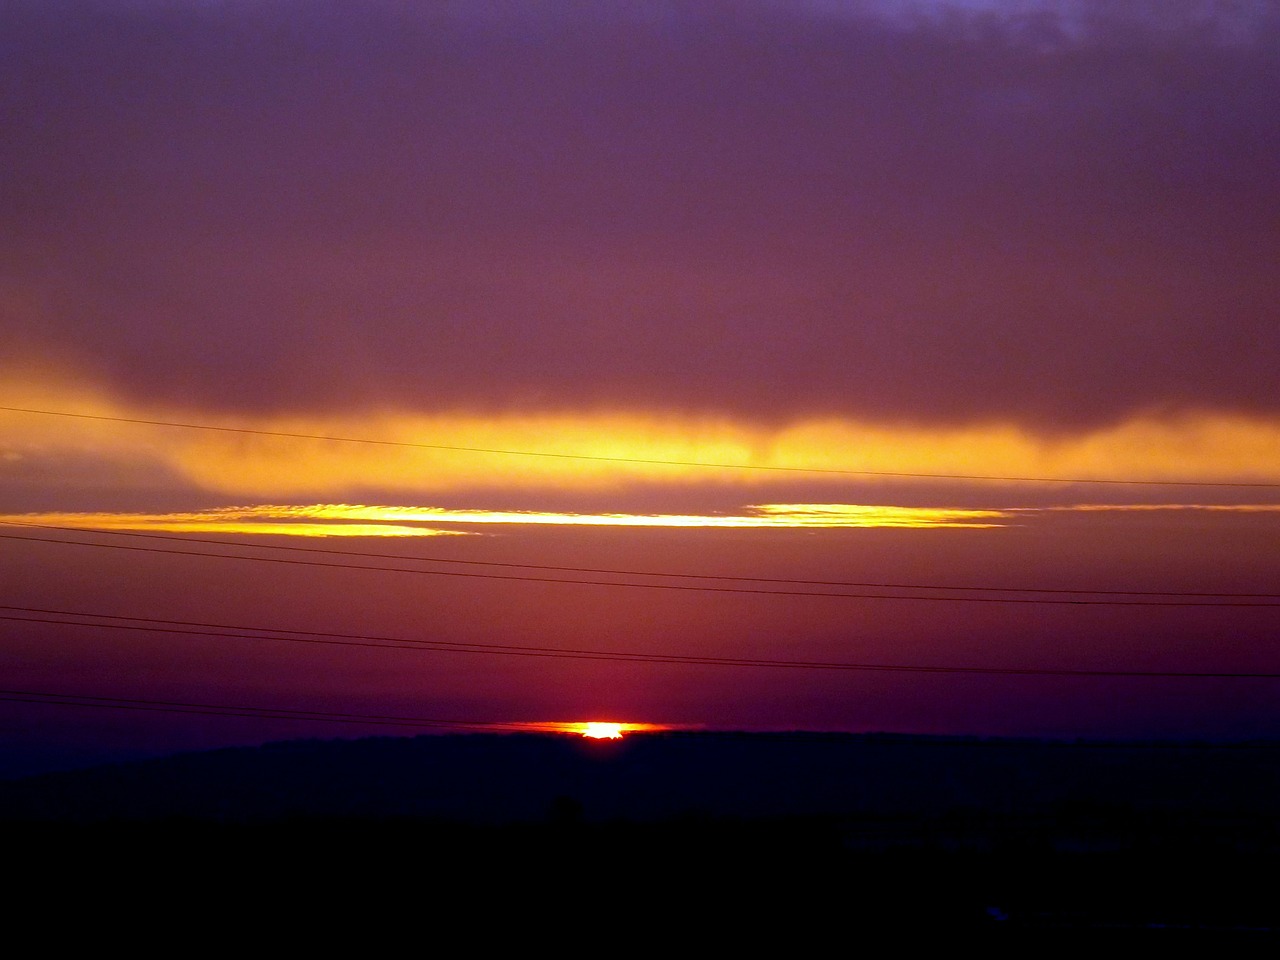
597 730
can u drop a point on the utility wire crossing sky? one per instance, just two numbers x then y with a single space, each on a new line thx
895 336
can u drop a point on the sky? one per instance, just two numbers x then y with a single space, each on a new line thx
331 326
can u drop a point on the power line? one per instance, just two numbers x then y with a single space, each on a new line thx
258 713
644 461
241 632
684 587
631 573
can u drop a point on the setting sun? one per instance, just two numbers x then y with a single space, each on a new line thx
592 729
602 731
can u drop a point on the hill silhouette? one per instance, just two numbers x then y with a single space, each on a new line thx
494 779
881 830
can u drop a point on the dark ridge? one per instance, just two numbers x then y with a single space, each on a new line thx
763 840
518 778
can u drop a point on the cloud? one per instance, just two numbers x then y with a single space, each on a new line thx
720 209
1059 21
601 453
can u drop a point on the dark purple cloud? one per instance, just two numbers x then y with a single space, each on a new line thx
773 210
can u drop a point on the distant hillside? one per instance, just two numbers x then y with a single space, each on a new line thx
793 838
491 779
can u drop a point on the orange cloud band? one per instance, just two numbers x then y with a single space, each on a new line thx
422 454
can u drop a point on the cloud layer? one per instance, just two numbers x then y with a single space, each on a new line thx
977 212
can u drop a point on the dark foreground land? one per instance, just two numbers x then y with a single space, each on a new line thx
721 838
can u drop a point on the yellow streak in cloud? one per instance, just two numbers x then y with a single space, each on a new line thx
229 523
359 520
765 515
863 515
350 520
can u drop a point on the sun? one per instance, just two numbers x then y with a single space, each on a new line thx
591 729
602 731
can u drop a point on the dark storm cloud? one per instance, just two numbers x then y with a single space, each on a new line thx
766 209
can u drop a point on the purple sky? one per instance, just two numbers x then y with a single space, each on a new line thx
966 226
757 208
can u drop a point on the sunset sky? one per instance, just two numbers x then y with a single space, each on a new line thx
808 336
